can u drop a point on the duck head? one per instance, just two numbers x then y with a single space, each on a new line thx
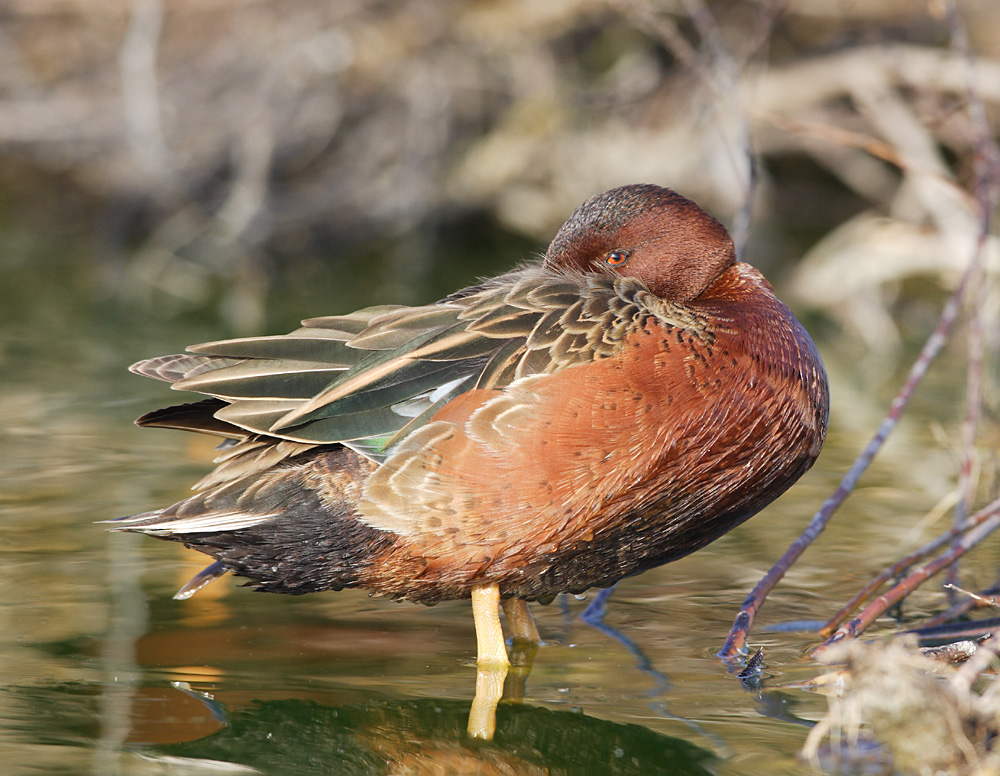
646 232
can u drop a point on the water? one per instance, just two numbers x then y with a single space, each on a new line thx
104 673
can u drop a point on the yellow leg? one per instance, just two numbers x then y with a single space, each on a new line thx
491 662
489 691
490 647
522 655
519 620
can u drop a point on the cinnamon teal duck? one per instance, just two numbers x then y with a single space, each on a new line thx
619 403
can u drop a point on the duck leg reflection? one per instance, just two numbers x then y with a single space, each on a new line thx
525 639
519 619
491 661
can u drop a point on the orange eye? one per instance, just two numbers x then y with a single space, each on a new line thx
616 258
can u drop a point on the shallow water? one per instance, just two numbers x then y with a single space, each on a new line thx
103 673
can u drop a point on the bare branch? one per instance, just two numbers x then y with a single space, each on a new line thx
736 642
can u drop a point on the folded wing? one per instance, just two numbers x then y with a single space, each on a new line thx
369 379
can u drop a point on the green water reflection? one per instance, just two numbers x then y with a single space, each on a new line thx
413 736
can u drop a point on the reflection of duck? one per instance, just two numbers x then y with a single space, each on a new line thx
427 736
613 407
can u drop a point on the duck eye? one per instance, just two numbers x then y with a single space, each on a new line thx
616 258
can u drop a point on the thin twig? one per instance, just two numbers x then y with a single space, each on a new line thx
971 629
722 79
973 405
974 596
916 578
986 182
964 606
871 145
730 100
898 568
664 29
736 642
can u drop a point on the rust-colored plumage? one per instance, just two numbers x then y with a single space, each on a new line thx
620 404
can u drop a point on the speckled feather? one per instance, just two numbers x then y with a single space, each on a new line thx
559 427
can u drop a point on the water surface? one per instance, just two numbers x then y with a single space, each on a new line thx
104 673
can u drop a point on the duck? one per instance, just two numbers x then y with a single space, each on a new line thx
616 404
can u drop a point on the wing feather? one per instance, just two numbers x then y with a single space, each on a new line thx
261 378
370 378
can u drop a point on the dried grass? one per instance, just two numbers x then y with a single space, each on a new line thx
922 717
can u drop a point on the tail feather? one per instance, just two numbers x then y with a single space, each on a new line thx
179 366
204 577
196 416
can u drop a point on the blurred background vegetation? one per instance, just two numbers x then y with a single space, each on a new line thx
211 150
